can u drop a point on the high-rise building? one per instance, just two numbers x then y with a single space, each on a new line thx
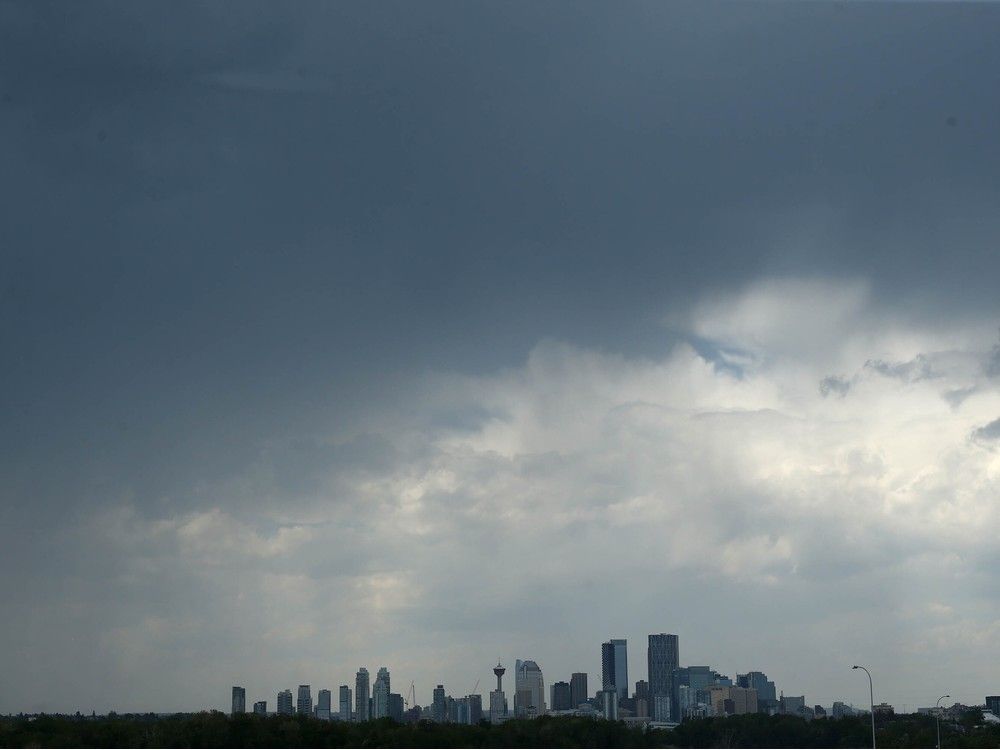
323 705
642 690
239 700
727 700
792 704
659 708
614 666
285 703
361 702
498 706
767 698
345 703
396 707
841 709
260 708
380 695
697 679
304 704
475 708
561 696
439 707
578 689
609 703
528 678
662 658
993 704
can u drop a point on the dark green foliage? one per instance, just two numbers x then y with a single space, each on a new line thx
218 730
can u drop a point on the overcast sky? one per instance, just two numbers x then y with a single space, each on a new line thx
419 334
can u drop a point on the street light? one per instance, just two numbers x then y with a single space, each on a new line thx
871 693
937 717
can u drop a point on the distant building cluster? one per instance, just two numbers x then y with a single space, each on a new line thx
670 694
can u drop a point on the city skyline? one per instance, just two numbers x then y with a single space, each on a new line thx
411 335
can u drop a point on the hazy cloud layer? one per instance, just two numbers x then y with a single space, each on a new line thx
346 334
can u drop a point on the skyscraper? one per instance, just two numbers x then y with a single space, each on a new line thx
439 708
767 697
561 696
260 708
614 666
285 703
662 657
345 703
323 705
475 708
304 705
396 707
609 703
380 694
239 700
695 678
498 706
361 695
578 689
528 679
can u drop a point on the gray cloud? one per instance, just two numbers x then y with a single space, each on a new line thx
988 432
834 384
918 368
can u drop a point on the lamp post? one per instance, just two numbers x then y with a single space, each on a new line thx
871 693
937 718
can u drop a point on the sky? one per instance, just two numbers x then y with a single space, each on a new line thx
422 334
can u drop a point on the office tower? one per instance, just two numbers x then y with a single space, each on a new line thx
578 689
323 705
345 703
452 710
993 704
662 658
498 706
439 707
641 690
840 710
614 666
304 704
285 703
260 708
792 704
475 709
698 678
609 703
767 699
380 695
528 678
396 707
361 696
727 700
239 700
659 708
561 696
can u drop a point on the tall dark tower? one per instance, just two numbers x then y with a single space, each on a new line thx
498 671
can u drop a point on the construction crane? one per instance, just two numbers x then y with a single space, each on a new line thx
411 697
475 688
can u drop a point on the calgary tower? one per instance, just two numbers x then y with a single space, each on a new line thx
498 671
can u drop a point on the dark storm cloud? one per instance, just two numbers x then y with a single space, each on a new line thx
233 231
